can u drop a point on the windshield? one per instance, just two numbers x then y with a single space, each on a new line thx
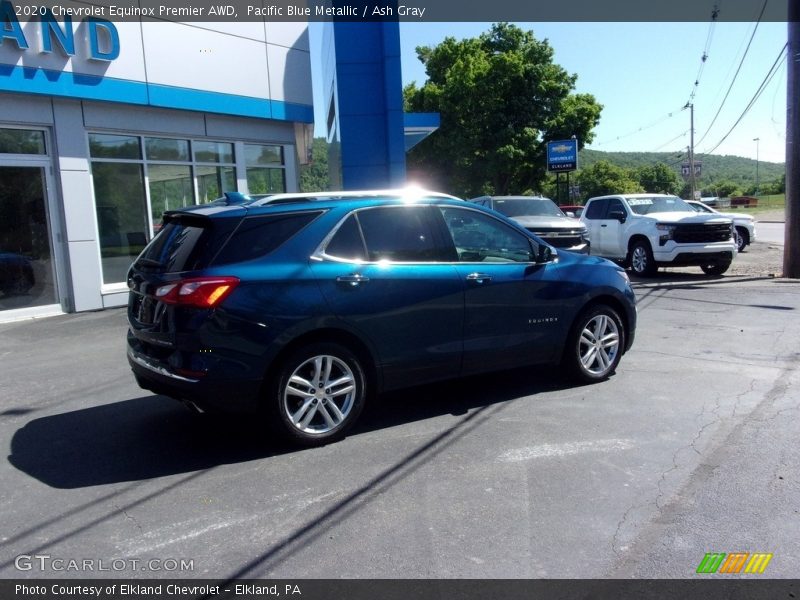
527 207
645 205
699 207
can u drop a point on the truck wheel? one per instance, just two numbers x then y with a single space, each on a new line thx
717 268
641 259
742 238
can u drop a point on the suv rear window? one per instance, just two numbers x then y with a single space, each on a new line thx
185 244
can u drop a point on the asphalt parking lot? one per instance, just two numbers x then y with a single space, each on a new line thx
690 448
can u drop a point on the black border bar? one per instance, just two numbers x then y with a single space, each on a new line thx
703 587
415 11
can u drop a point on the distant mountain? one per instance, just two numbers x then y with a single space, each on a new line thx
714 168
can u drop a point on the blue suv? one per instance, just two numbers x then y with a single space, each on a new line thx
300 307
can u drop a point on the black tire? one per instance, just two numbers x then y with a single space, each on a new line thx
303 407
640 259
579 360
717 268
742 239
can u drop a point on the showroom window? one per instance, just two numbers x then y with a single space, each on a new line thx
215 170
265 169
137 178
22 141
120 201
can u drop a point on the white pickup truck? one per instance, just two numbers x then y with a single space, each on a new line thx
647 231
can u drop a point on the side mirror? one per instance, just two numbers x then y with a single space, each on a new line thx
544 254
619 215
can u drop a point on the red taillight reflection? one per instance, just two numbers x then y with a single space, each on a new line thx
201 292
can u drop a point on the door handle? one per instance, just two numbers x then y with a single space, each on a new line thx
479 277
603 225
354 280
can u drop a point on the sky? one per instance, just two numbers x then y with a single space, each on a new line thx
643 74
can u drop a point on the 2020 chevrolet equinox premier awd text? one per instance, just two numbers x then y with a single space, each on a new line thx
300 307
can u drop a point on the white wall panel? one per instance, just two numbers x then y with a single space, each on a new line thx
185 56
291 35
76 192
86 275
290 75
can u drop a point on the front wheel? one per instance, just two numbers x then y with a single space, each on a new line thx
717 268
595 344
318 394
641 259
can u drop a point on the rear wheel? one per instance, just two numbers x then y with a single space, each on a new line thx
641 259
742 238
717 268
318 394
595 344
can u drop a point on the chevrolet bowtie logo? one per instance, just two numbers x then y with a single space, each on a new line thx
562 148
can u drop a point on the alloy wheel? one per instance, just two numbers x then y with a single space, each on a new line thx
598 345
319 395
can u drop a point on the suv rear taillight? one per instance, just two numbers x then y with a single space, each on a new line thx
200 292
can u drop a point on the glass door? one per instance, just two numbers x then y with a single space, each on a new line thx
27 265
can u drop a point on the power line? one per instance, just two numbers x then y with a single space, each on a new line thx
767 79
735 75
704 57
640 129
667 143
682 156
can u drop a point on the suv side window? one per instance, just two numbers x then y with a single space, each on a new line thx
347 243
596 209
482 238
399 234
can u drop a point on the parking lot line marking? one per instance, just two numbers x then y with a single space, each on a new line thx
551 450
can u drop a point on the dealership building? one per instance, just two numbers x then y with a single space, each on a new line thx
104 125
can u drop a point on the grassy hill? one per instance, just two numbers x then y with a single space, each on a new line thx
714 168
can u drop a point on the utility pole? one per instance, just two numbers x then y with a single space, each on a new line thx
791 248
691 150
756 140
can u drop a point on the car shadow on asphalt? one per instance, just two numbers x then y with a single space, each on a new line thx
154 436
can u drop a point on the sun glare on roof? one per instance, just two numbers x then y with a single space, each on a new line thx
412 193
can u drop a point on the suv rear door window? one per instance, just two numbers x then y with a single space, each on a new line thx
399 234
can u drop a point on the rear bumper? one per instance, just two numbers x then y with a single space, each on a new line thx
240 396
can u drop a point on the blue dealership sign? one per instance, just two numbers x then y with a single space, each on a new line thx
562 155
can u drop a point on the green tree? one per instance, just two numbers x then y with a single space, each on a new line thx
604 178
500 97
659 178
314 176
